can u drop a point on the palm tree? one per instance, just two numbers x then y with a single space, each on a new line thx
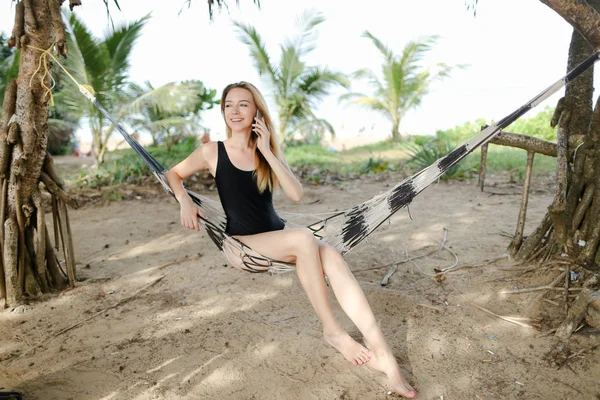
297 88
404 83
168 111
103 65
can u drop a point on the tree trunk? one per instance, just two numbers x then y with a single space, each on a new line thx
396 129
575 212
283 128
23 158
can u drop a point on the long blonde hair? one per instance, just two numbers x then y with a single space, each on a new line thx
265 177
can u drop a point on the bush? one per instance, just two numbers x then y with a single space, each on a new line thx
125 166
376 165
424 155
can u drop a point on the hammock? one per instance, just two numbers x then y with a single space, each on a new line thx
352 225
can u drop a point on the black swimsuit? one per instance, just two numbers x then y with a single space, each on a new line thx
248 211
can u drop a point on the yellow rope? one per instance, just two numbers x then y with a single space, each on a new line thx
87 90
43 61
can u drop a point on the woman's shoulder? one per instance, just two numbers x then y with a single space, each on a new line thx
210 148
208 151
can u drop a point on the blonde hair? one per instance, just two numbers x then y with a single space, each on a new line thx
265 177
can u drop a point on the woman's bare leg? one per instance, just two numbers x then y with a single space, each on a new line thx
354 303
299 245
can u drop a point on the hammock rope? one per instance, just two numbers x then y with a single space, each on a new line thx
345 229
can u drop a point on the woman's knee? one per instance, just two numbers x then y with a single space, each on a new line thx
304 241
331 258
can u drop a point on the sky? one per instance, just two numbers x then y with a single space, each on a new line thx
511 50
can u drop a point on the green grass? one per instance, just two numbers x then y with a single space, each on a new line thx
392 155
124 166
377 157
511 160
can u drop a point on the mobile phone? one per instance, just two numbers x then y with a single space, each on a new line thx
258 116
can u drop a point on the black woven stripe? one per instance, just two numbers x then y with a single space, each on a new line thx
355 226
402 196
515 115
455 156
585 64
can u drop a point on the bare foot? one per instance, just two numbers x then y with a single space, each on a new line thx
350 348
387 364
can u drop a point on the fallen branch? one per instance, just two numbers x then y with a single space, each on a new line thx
389 274
513 320
400 261
583 351
180 260
535 289
554 303
541 295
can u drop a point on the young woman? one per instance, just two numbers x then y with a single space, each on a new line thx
247 168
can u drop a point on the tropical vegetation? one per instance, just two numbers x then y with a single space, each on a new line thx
403 82
296 87
103 65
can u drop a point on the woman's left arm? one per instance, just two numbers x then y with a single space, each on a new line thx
289 183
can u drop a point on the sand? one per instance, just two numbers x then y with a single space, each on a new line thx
158 314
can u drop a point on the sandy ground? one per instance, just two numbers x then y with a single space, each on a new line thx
157 313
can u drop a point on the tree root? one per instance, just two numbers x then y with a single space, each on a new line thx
30 19
59 280
50 170
21 242
577 311
40 248
55 223
582 207
18 27
54 189
11 241
59 28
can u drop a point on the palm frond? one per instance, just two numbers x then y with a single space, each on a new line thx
258 52
290 68
60 124
89 64
385 51
316 82
171 97
374 104
119 44
305 41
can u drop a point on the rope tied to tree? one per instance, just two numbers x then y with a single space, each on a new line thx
86 90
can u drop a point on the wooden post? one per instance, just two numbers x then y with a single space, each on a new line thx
518 238
482 166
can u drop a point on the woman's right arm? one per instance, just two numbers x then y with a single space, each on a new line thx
204 157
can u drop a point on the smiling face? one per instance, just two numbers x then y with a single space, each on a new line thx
239 110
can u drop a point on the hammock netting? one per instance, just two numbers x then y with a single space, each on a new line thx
345 229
